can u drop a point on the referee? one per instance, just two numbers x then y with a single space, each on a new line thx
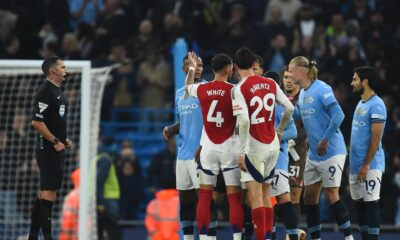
49 120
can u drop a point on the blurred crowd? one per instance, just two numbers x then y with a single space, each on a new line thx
138 34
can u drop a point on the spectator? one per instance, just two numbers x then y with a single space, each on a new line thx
162 168
114 23
70 49
132 189
289 9
276 25
11 48
85 11
85 35
234 32
108 196
142 44
278 55
153 79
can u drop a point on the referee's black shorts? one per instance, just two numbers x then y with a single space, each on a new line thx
51 165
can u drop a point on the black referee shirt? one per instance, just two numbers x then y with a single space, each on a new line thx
51 108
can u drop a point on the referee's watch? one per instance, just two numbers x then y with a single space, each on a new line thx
55 141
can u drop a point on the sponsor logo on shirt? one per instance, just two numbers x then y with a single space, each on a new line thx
378 116
188 107
62 110
42 107
326 95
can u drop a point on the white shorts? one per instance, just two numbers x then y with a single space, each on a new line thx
370 189
328 171
212 161
279 183
186 175
266 163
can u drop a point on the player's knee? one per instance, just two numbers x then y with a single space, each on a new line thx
310 198
295 194
332 195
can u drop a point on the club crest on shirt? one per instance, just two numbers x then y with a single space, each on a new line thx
363 113
359 111
310 100
62 110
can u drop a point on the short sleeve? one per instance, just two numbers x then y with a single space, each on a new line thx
327 97
42 103
238 103
192 89
378 112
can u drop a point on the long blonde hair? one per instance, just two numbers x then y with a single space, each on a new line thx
310 65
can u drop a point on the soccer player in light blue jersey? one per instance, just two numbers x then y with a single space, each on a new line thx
280 188
321 116
367 158
189 128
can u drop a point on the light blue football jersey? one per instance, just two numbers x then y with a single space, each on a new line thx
191 124
366 113
289 133
313 104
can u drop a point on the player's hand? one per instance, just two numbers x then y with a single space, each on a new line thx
68 143
362 173
197 154
166 133
59 147
322 147
242 163
192 58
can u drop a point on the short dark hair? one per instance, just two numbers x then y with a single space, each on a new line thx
50 62
367 72
273 75
220 61
259 60
244 58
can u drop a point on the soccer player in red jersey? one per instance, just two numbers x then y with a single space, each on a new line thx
253 101
217 142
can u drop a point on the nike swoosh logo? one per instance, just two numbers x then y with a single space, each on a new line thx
58 97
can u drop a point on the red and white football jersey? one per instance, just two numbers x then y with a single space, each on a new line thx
216 105
256 97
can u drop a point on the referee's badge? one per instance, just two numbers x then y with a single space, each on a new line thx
62 110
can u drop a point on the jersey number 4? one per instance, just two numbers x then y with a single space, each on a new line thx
218 119
260 104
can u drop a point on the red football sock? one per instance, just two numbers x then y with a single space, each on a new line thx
203 211
258 215
235 212
269 223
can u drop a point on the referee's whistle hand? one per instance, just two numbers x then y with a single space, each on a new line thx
59 146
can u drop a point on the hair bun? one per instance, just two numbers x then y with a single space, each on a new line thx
313 63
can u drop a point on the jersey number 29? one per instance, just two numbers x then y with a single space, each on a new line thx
260 104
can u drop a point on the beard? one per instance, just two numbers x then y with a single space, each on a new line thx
359 91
